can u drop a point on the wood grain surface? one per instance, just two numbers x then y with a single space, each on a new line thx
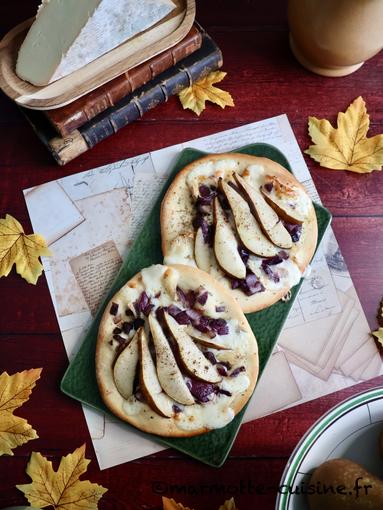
265 80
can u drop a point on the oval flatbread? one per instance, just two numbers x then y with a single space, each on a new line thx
243 219
175 354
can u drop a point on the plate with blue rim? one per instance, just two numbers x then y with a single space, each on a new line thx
79 381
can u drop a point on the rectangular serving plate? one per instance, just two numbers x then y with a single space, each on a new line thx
79 381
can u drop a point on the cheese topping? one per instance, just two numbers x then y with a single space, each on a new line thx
209 173
300 203
286 271
284 274
181 251
254 175
163 287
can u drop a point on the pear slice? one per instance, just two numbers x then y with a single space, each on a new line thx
149 383
247 226
265 214
169 375
283 207
202 252
226 245
125 366
191 357
204 339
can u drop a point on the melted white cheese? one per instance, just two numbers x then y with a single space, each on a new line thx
254 175
181 251
212 415
236 384
236 339
152 279
288 272
209 173
300 203
132 406
218 412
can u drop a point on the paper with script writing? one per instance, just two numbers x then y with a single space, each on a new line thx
325 344
95 272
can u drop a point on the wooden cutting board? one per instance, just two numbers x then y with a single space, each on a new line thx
165 34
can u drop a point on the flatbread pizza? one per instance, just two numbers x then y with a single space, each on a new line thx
245 220
175 355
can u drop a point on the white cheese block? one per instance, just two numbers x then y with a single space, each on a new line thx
68 34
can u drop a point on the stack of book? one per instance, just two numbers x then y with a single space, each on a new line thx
77 127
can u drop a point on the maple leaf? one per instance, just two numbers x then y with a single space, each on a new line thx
61 489
228 505
347 146
203 90
14 391
170 504
379 335
23 250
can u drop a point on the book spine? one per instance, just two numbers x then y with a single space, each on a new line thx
171 82
71 117
148 97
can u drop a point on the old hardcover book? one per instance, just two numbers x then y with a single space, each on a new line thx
64 149
72 116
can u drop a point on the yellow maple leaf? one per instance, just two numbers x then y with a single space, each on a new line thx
14 391
170 504
23 250
228 505
203 90
347 146
379 335
61 489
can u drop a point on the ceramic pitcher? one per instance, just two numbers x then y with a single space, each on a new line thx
335 37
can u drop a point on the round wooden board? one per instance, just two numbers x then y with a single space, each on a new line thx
165 34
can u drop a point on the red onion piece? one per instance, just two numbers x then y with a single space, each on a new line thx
113 309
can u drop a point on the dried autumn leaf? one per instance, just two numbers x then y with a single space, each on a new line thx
347 146
203 90
14 391
170 504
228 505
378 334
23 250
61 489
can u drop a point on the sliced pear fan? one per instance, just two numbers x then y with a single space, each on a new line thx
191 357
169 375
124 370
226 245
247 226
149 383
265 214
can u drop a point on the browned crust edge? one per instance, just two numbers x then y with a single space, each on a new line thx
265 299
155 424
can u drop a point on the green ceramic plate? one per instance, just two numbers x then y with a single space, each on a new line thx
79 381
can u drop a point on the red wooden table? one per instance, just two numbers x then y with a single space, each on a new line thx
265 80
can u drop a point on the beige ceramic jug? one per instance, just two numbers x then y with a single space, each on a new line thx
335 37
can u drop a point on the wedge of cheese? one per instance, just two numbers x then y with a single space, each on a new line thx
68 34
